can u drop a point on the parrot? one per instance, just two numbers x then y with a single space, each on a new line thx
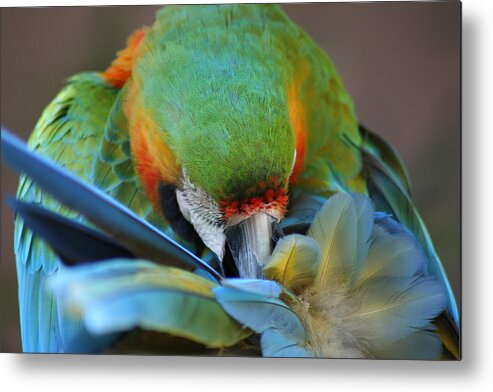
215 124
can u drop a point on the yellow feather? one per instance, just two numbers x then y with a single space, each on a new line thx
294 262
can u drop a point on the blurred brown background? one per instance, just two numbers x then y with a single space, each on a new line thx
399 61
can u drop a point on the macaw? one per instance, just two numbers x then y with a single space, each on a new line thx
214 124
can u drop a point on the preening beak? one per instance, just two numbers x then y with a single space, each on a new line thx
250 242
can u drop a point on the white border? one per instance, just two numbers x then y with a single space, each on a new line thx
124 373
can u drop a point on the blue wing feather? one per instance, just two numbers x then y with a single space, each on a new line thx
63 135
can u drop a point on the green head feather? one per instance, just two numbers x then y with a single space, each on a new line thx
219 97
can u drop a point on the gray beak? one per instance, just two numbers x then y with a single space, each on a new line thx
250 242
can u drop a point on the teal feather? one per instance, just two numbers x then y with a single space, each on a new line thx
121 295
260 313
275 344
267 288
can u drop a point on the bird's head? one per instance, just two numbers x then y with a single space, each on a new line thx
234 190
227 155
219 125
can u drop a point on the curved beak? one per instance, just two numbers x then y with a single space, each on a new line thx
250 242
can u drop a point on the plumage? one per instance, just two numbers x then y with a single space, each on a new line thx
68 124
421 345
138 235
261 313
275 344
267 288
234 102
342 228
371 305
294 261
392 256
390 195
123 294
397 307
73 242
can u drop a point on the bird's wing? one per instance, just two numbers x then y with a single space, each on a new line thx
389 187
72 132
114 171
68 132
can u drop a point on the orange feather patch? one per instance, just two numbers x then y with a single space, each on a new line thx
154 160
297 118
120 69
146 168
